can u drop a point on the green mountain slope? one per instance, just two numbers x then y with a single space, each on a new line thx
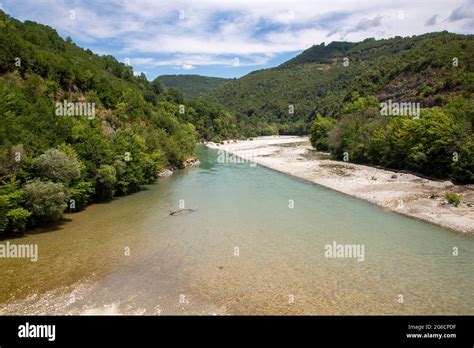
77 128
321 54
418 68
192 86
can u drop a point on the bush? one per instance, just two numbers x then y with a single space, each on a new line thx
17 219
57 166
4 209
46 200
79 196
453 198
13 218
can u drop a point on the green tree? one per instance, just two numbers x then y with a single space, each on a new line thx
463 165
105 183
156 86
319 132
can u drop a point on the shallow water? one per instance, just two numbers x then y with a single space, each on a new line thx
243 251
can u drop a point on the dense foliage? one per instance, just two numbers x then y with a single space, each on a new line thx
429 69
439 143
53 160
191 86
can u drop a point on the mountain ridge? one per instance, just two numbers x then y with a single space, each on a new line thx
191 85
317 81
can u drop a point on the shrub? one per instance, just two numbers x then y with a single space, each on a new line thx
17 219
453 198
13 218
79 196
46 200
57 166
4 208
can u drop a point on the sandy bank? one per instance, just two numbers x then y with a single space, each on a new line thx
403 193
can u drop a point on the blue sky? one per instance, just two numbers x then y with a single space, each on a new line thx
232 38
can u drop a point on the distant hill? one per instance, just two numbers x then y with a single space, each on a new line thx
192 86
410 69
321 54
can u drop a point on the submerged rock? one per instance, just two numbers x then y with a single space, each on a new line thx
191 162
164 173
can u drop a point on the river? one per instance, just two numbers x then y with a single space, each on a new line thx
255 244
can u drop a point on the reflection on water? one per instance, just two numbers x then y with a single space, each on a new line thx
243 251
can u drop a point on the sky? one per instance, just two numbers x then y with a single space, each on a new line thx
226 38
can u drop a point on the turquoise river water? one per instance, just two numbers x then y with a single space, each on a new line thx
255 244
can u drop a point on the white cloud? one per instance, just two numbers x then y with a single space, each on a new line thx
187 66
190 61
214 32
298 25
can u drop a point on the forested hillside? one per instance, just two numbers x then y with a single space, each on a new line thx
192 86
337 92
77 128
320 80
